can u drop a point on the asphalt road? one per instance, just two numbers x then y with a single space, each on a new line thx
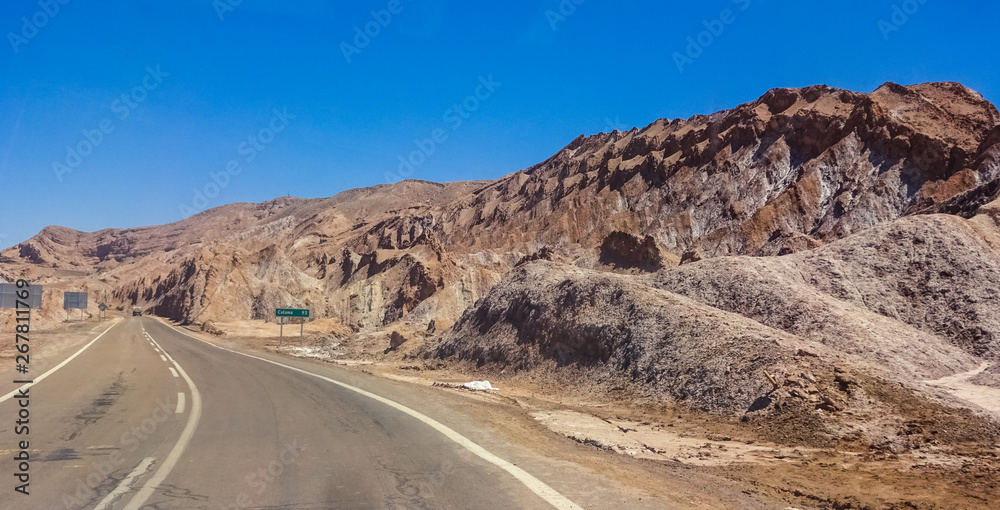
148 417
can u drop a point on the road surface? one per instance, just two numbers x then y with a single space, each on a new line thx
146 416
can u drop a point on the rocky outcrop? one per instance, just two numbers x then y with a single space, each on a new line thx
624 251
30 252
119 249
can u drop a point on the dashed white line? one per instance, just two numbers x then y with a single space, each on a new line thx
175 454
164 358
126 484
174 372
180 403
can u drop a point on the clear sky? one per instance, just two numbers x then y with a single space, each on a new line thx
277 98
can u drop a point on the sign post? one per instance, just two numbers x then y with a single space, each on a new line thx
76 300
281 313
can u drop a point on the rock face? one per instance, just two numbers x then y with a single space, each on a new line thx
860 227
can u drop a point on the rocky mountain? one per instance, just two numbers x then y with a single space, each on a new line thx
787 172
686 256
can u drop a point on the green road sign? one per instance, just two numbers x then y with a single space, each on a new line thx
291 312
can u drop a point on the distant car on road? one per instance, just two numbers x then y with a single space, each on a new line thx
136 311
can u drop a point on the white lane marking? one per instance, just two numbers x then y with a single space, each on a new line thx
537 486
126 484
180 403
174 372
57 367
164 358
175 454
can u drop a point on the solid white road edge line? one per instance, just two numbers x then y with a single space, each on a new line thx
175 454
180 403
537 486
126 484
57 367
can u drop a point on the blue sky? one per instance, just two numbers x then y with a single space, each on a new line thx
291 100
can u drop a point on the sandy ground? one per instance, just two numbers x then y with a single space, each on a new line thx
983 396
49 347
653 441
269 330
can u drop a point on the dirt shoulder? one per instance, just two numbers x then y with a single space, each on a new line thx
950 474
48 348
